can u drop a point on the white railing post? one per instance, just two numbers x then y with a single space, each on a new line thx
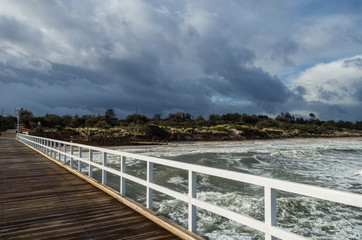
46 147
65 152
104 172
52 144
192 208
122 179
53 147
54 152
90 168
56 147
270 210
59 154
80 162
50 148
71 159
149 203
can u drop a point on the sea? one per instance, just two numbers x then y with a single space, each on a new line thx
328 163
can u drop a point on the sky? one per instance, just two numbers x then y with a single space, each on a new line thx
197 56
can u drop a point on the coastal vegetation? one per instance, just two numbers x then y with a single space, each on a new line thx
182 126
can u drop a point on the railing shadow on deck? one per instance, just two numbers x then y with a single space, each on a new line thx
65 152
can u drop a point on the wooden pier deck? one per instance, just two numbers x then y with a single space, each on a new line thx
41 200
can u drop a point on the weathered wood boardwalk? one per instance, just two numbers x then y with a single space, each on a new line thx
41 200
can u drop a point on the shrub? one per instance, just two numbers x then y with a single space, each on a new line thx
156 131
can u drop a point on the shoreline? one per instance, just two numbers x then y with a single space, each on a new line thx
190 143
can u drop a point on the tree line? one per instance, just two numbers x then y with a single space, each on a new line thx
109 120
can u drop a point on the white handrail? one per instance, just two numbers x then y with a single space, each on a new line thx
58 150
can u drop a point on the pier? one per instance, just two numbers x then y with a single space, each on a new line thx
42 200
24 168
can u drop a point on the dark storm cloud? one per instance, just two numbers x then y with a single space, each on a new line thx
283 49
358 93
327 95
235 75
345 112
300 90
159 56
15 32
142 70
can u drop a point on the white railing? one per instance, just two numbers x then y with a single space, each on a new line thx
62 151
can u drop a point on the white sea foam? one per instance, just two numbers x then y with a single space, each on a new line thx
302 215
177 180
331 164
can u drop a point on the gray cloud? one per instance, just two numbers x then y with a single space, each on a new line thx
283 49
234 75
13 31
358 93
160 56
356 62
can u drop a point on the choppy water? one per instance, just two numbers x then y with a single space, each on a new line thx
332 164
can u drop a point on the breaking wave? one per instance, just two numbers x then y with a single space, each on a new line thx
327 163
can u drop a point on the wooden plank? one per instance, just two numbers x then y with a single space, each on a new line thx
163 222
40 200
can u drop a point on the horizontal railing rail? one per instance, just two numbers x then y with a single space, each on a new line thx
61 151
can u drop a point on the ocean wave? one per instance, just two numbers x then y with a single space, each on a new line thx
319 219
308 217
330 164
